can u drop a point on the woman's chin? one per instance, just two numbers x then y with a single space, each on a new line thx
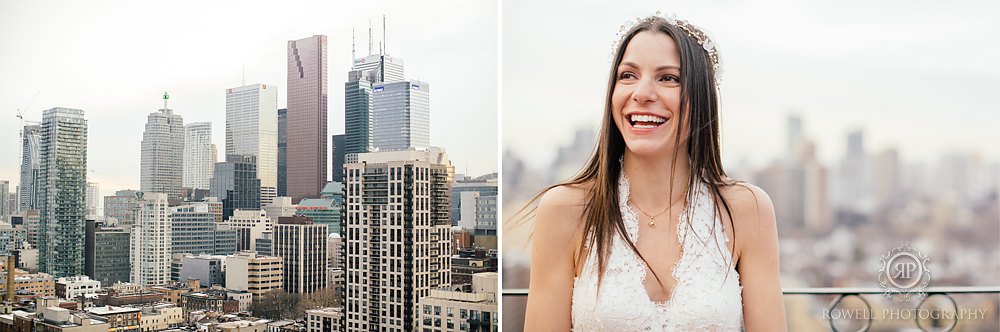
647 149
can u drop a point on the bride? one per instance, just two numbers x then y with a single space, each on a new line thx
652 235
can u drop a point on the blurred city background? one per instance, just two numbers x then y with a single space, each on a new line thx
865 126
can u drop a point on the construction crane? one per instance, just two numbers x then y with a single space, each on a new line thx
20 117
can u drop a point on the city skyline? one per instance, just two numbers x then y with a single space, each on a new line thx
843 66
195 67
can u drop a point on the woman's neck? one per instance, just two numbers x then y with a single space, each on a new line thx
650 179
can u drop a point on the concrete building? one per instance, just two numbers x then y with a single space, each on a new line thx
49 317
120 319
249 225
72 288
257 274
301 244
325 319
162 160
398 236
252 130
210 270
306 161
40 284
281 207
401 115
31 220
476 212
31 163
198 155
160 316
195 231
446 310
62 185
151 238
235 183
120 209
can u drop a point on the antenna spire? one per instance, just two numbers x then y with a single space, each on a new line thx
384 44
369 36
165 98
353 53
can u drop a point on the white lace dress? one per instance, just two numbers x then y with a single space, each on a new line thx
704 297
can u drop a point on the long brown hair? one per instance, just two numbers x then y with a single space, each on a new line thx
699 97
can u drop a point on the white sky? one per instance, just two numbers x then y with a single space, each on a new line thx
114 60
921 76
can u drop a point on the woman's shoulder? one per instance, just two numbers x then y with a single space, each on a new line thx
751 208
563 206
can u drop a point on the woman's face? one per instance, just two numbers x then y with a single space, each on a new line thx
645 102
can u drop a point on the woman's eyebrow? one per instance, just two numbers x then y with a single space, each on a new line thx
660 68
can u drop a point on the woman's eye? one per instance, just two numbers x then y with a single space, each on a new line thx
626 75
670 78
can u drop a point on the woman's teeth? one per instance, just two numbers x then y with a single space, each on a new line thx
643 121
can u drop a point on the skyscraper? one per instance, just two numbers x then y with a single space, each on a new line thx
120 209
301 244
162 160
198 155
151 237
235 183
62 188
93 200
282 152
252 130
193 229
401 115
307 117
398 233
30 164
5 209
338 153
358 102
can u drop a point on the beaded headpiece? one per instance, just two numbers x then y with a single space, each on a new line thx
692 31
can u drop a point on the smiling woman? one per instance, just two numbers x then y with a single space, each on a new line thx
708 259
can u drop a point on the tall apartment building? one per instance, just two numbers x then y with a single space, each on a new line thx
301 244
282 152
252 130
198 155
30 165
62 185
151 238
397 234
306 157
162 159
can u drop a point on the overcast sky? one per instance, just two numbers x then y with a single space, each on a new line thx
921 76
114 60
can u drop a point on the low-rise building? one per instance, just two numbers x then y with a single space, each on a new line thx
325 319
160 316
49 317
41 284
259 325
446 310
121 319
71 288
210 300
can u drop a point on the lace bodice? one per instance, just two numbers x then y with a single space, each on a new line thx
707 295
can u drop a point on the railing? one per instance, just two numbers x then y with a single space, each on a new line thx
843 292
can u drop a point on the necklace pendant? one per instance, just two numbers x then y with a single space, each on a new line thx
652 222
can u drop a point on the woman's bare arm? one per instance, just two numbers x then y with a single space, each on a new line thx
757 240
554 243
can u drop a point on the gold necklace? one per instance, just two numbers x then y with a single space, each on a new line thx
652 218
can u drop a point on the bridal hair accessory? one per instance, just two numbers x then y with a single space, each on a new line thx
692 31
